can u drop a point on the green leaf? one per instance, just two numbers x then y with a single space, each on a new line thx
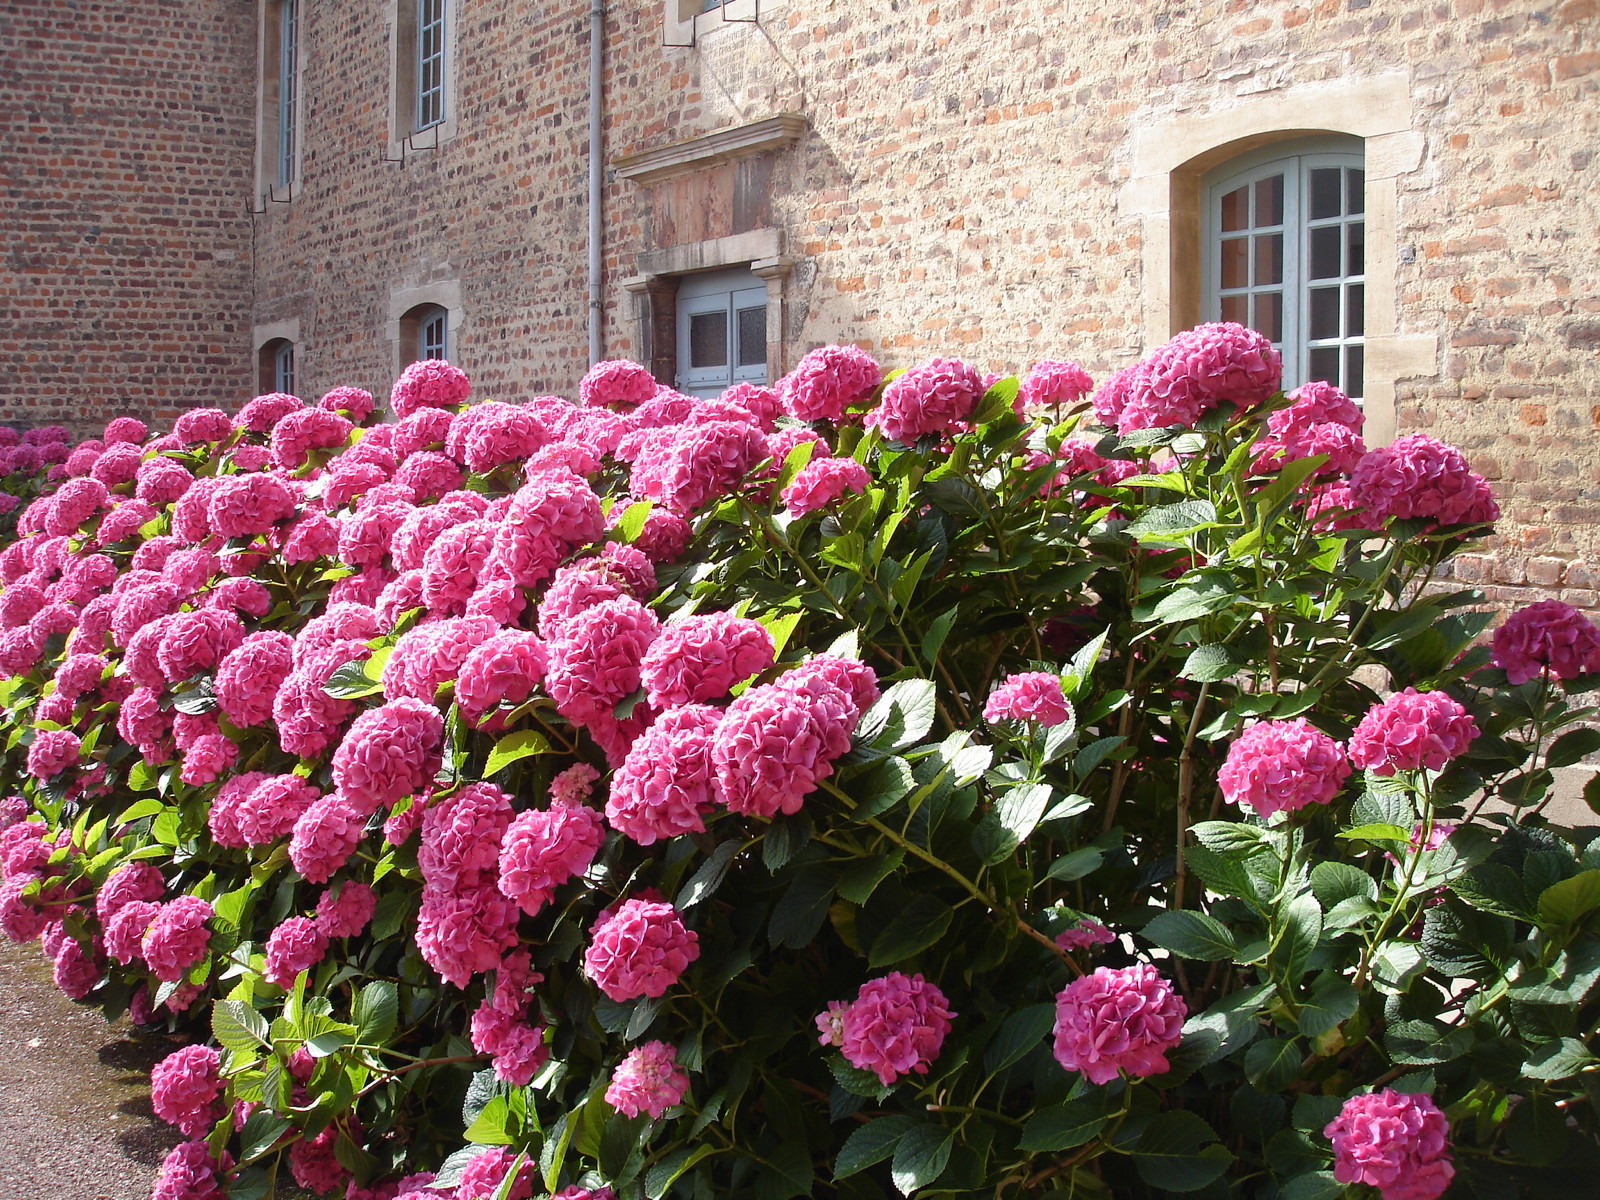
862 877
785 838
881 788
1301 931
1537 1130
1170 524
1570 900
525 743
1062 1126
351 682
324 1044
921 1157
1272 1064
871 1143
660 1178
260 1133
902 716
1317 1185
1092 755
1080 862
1231 839
1019 1033
1333 1001
709 877
1377 833
139 809
238 1026
1572 747
1559 1060
781 623
1419 1042
798 916
1210 663
787 1170
1177 1152
631 524
1187 603
492 1126
1192 935
377 1011
938 630
1333 882
913 929
1008 824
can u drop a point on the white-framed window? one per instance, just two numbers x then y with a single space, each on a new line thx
430 63
275 366
1285 242
422 62
278 100
722 331
288 88
424 333
685 21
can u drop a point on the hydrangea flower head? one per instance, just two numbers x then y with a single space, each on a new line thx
822 481
700 657
177 937
640 948
428 383
296 945
775 742
648 1080
664 783
1420 477
1411 730
1029 696
616 381
827 381
1282 766
1546 637
1395 1142
1083 934
1118 1019
390 751
895 1026
1052 383
544 849
936 397
184 1087
486 1173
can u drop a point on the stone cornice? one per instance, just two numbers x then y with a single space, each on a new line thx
711 149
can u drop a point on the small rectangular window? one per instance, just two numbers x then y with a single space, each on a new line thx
434 339
283 369
288 88
430 63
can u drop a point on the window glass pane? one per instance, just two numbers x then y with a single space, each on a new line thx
1236 210
752 336
1324 365
708 339
283 369
1269 259
1324 313
1325 252
1356 248
1355 184
1354 314
1269 315
1326 200
1236 309
1269 200
1235 262
432 337
1354 365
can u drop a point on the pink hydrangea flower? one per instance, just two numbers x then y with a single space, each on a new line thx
1314 404
308 719
432 654
461 838
690 465
503 669
389 752
129 882
1341 444
304 431
616 381
197 641
245 505
271 807
345 911
648 1080
116 466
640 948
1083 934
177 937
203 425
325 836
260 414
1029 696
75 971
314 1164
500 1025
208 757
775 742
1395 1142
549 516
76 501
486 1173
498 434
428 383
315 535
160 480
1417 476
1411 730
189 1172
1282 766
53 751
664 783
822 481
124 429
574 785
464 933
895 1026
124 930
240 596
1547 637
428 474
937 397
1190 375
352 402
665 536
1052 383
184 1087
295 945
543 850
827 381
1118 1019
596 662
700 657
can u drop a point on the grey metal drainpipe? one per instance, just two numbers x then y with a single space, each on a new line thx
597 30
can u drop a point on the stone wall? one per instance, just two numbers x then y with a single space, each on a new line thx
124 200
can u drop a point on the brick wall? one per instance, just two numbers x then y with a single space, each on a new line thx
125 208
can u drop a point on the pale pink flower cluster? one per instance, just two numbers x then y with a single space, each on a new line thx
894 1027
1548 637
1393 1141
640 948
1419 477
1282 766
1118 1019
389 752
934 398
617 381
1052 383
1034 696
822 481
428 383
500 1025
1412 730
827 381
649 1080
184 1087
542 850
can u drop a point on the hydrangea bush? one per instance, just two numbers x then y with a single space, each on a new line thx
926 785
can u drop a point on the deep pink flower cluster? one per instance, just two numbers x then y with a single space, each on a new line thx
596 662
345 911
1419 477
617 381
1412 730
1083 934
389 752
664 784
936 397
1548 637
466 924
640 948
176 937
325 836
685 466
1191 374
500 1027
827 381
1118 1019
894 1027
700 657
485 1175
822 481
1052 383
184 1087
542 850
503 669
296 945
1282 766
53 751
432 654
1395 1142
1034 696
189 1172
428 383
648 1080
302 432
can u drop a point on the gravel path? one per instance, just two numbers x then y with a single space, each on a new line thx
75 1119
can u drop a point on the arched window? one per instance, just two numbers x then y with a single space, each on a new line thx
1285 246
425 333
722 331
275 366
